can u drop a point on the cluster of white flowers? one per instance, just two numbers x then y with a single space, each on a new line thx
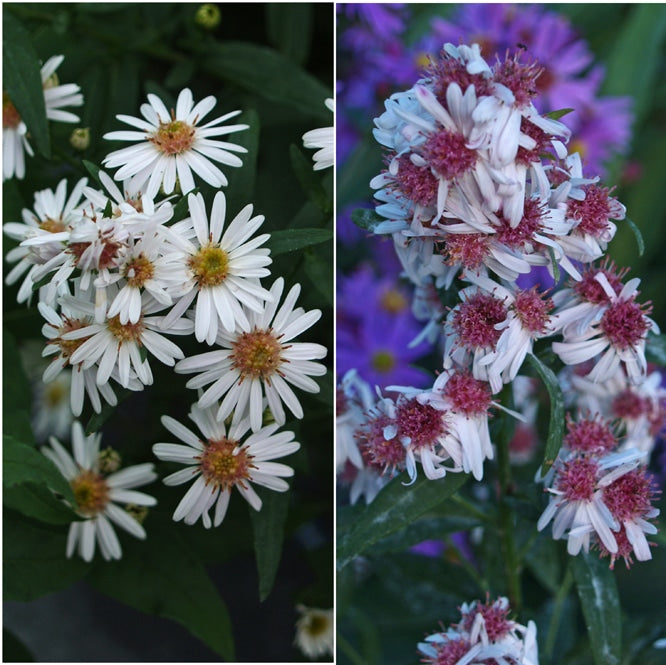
484 634
116 275
479 188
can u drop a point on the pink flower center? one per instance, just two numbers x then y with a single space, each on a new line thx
256 354
474 321
449 652
224 464
468 395
630 405
520 78
590 435
416 183
629 497
447 70
590 289
448 155
532 309
593 212
422 423
577 478
467 249
494 617
543 144
515 238
378 451
625 323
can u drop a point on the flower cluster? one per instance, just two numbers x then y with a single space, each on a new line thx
484 634
121 268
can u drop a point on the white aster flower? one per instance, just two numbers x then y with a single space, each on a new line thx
51 411
222 460
260 359
324 139
173 145
314 631
220 268
97 495
14 131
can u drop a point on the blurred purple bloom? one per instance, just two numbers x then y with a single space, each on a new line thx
431 548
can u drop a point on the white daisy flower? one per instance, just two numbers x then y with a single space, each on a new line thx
324 139
14 131
314 631
221 270
173 145
222 460
260 359
97 495
51 410
51 219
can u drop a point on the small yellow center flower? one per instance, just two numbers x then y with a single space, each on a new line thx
91 493
173 138
383 361
256 354
125 332
138 271
225 465
52 225
210 265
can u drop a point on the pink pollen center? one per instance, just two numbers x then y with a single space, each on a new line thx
577 479
495 619
448 155
474 321
468 249
417 183
629 497
449 652
467 394
520 78
593 212
630 406
527 227
625 323
590 436
590 289
422 423
532 310
378 451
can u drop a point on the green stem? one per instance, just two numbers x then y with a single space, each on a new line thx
469 508
478 579
558 608
349 651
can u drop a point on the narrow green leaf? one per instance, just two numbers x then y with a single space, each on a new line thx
639 236
93 169
38 502
34 561
268 74
268 525
394 508
289 28
181 210
655 349
22 80
17 401
556 422
98 419
310 180
560 113
555 264
25 464
600 602
163 576
366 219
289 240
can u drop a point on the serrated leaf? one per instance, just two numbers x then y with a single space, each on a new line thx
22 80
268 74
556 421
38 502
268 526
25 464
289 28
289 240
366 219
310 180
600 602
639 236
34 561
393 509
163 576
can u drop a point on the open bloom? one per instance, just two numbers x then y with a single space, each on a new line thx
324 139
314 631
14 131
173 145
221 460
260 359
98 494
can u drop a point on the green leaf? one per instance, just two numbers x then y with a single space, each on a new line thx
320 272
34 559
98 419
628 72
601 606
560 113
181 210
394 508
639 236
655 350
366 219
17 401
22 80
310 180
556 422
289 240
93 169
268 74
268 525
289 28
163 576
555 264
38 502
24 464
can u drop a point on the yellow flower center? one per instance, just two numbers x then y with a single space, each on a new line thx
138 271
174 137
210 265
224 464
125 332
317 624
68 346
383 361
393 301
91 493
10 116
54 394
52 225
256 354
